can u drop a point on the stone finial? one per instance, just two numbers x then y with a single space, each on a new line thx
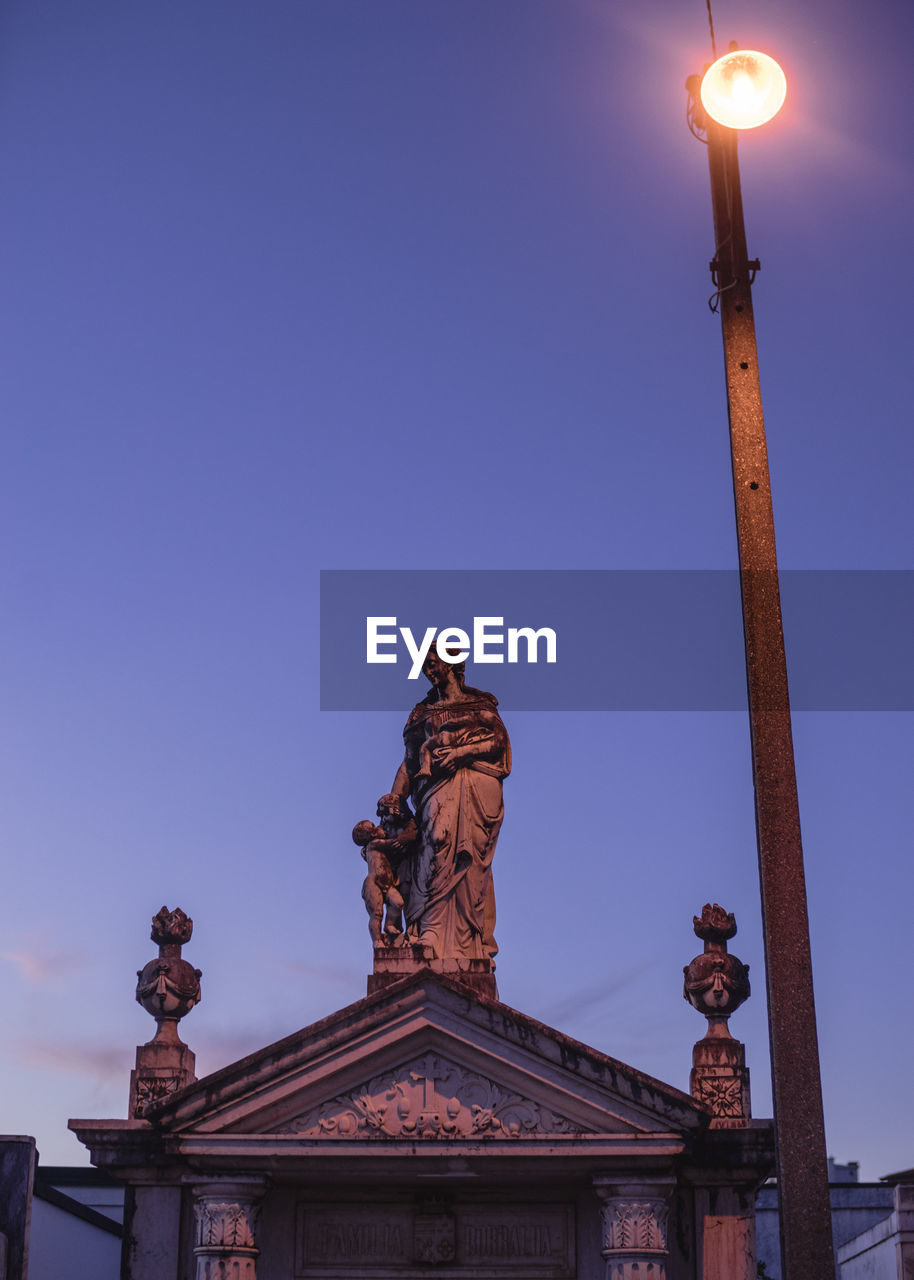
714 924
171 927
716 984
167 988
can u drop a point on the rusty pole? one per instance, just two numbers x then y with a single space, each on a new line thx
807 1252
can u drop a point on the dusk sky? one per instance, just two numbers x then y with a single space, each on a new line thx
422 284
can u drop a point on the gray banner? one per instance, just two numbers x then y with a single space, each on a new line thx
613 640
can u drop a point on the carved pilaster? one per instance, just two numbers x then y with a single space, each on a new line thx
226 1218
635 1226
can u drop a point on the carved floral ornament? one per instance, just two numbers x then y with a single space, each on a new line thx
723 1094
226 1224
634 1226
152 1088
430 1098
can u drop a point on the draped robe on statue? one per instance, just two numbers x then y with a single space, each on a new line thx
451 903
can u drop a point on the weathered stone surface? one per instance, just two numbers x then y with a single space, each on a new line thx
152 1224
18 1158
716 983
431 1097
720 1077
423 1129
167 988
635 1219
456 756
467 1237
393 963
729 1246
226 1222
428 1013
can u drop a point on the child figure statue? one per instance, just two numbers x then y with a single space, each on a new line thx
380 887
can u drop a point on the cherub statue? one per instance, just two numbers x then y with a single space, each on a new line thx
380 886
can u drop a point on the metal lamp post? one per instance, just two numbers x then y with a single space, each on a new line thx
806 1241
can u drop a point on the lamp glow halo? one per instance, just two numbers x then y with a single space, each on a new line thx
743 89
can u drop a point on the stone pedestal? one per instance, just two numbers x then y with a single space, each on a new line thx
161 1069
226 1218
635 1222
393 963
720 1077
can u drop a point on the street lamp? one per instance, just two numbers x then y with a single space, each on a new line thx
741 90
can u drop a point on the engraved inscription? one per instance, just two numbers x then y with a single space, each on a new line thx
345 1234
467 1240
533 1237
516 1241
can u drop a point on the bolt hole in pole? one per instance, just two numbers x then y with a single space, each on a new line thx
753 484
744 364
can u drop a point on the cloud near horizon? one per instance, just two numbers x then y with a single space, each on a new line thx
37 964
106 1064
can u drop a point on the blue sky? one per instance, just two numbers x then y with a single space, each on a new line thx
411 284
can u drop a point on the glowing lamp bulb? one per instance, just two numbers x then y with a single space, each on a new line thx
743 89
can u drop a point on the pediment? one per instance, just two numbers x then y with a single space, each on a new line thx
431 1097
427 1061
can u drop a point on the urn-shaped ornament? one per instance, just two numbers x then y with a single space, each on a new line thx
169 987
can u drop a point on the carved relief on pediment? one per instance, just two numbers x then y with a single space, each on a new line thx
430 1098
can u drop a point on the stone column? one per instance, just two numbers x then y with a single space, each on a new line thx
152 1232
226 1218
635 1220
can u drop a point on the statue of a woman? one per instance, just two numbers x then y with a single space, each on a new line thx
457 753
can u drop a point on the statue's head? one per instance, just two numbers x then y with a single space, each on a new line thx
364 832
392 806
435 669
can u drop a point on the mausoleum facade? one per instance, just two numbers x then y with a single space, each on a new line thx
430 1129
427 1130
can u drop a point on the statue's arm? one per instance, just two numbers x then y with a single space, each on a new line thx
409 833
401 782
478 749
